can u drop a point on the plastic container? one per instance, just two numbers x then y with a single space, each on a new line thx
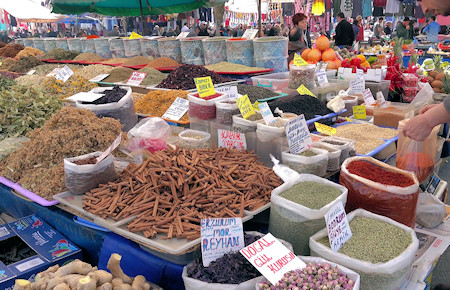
28 42
302 75
204 109
193 139
409 93
391 115
349 102
266 133
240 50
89 45
39 44
102 47
375 87
330 90
296 223
192 50
278 64
270 47
49 43
170 47
75 44
316 165
334 155
270 141
410 80
341 145
62 43
149 46
275 82
351 144
243 126
225 110
132 47
117 48
214 50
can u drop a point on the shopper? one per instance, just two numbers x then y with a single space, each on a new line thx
436 7
360 36
185 28
284 30
299 38
432 30
378 28
93 30
344 32
203 30
355 28
115 31
388 28
404 30
170 33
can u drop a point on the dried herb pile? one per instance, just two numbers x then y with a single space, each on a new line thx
6 83
300 104
6 63
312 194
11 50
29 51
38 165
114 60
31 81
88 56
111 96
254 93
232 67
24 64
119 74
153 76
182 78
60 54
156 103
163 62
72 86
90 71
45 69
138 60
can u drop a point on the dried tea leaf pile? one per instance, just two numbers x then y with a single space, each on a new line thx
24 64
62 90
6 82
60 54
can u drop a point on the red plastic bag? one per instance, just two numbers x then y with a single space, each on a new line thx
397 202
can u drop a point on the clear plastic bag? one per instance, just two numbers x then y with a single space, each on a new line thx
82 178
149 134
416 156
316 165
430 210
395 202
389 275
122 110
295 223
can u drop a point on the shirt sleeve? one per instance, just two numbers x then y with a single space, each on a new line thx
426 28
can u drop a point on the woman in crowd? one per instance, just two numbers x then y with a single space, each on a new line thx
299 38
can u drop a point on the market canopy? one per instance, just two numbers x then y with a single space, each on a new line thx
130 7
29 11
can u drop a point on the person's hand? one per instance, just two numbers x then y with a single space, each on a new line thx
407 27
417 128
426 108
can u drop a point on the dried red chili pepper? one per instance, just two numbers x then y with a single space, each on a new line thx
378 174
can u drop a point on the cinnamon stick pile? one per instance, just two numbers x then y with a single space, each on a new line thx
174 189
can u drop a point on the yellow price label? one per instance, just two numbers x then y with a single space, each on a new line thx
359 112
348 120
205 87
245 106
255 105
302 90
299 61
134 35
324 129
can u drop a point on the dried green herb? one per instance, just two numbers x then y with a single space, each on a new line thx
24 64
60 54
312 194
307 153
6 83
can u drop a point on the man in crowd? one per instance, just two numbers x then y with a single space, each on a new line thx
203 30
388 28
378 28
404 29
432 29
185 28
344 32
115 31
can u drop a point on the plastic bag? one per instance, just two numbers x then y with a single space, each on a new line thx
82 178
416 156
337 104
316 165
295 223
395 202
389 275
423 97
9 145
149 134
430 210
122 110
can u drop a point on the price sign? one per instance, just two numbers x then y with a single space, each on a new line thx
337 226
359 112
348 120
231 91
357 86
53 72
205 87
250 33
324 129
99 78
88 97
64 74
134 35
230 139
220 236
433 184
255 105
359 74
381 100
177 110
136 78
266 113
245 106
302 90
299 61
183 35
110 148
271 258
31 72
297 134
322 78
368 97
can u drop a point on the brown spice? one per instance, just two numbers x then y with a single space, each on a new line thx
89 56
7 63
114 61
163 62
137 60
119 74
90 160
11 50
156 103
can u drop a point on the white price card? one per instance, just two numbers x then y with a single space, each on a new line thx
64 74
110 148
381 100
53 72
31 72
177 110
231 91
322 78
271 258
136 78
183 35
88 97
230 139
297 134
337 226
250 33
266 113
99 78
368 97
357 86
220 236
359 74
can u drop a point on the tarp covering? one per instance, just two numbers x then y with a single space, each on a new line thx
26 10
130 7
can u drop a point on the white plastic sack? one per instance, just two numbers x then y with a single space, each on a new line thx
336 104
123 110
82 178
423 97
430 210
389 275
295 223
316 165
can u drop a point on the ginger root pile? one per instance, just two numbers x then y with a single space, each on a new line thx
79 275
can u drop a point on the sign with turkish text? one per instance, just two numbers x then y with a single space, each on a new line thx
297 134
337 226
205 87
230 139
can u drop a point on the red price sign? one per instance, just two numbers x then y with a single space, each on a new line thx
136 78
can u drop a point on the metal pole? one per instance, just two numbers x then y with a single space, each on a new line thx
259 19
142 16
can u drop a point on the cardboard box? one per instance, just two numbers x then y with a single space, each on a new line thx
46 246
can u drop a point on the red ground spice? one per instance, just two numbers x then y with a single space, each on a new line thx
378 174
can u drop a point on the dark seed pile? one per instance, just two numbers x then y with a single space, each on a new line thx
300 104
255 93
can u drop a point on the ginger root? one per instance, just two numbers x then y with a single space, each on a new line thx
116 282
114 266
87 283
106 286
75 267
102 276
72 280
147 286
22 284
138 282
62 286
122 287
52 283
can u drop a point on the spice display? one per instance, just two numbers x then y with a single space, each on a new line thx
255 117
367 136
153 76
62 90
302 75
312 194
174 189
6 63
6 83
13 250
110 96
88 56
225 110
45 69
279 123
137 60
60 54
313 276
8 74
11 50
38 165
9 145
89 160
24 64
156 103
119 74
163 62
114 61
255 93
29 51
203 108
333 155
232 268
312 161
375 173
300 104
90 71
182 78
23 109
373 240
31 81
232 67
420 163
307 153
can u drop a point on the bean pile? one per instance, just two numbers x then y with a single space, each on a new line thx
254 93
156 103
300 104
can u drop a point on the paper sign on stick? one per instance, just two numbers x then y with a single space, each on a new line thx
337 225
230 139
245 106
297 134
205 87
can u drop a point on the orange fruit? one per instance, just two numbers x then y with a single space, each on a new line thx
331 65
323 43
305 53
361 57
365 64
337 62
328 54
314 55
